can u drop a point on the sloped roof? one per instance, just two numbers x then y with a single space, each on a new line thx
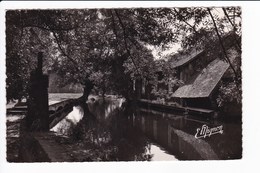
180 60
205 82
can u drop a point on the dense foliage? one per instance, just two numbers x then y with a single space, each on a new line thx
108 48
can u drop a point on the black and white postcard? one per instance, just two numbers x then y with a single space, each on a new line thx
124 84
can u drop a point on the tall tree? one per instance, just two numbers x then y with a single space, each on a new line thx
79 43
104 47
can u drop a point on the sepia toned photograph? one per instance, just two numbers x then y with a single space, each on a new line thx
123 84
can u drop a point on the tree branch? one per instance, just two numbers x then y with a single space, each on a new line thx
222 46
65 54
58 42
234 27
193 27
37 37
115 32
125 42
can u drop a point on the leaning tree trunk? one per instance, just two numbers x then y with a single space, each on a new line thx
87 89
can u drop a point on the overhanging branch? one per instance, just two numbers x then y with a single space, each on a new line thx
193 27
234 27
125 42
222 46
65 54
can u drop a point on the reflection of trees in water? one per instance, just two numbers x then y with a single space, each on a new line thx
65 126
131 144
109 133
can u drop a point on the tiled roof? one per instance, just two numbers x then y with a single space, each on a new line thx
207 79
205 82
180 60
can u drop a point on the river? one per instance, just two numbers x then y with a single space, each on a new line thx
125 132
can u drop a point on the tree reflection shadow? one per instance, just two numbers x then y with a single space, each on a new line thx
108 134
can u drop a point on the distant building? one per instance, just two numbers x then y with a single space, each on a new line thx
186 65
201 75
201 81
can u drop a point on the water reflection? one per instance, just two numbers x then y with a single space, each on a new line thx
159 154
176 134
122 132
65 125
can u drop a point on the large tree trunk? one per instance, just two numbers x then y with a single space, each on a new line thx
87 89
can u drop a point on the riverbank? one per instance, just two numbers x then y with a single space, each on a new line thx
50 147
117 132
13 132
174 107
23 146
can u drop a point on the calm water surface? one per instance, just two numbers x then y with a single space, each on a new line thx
131 133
